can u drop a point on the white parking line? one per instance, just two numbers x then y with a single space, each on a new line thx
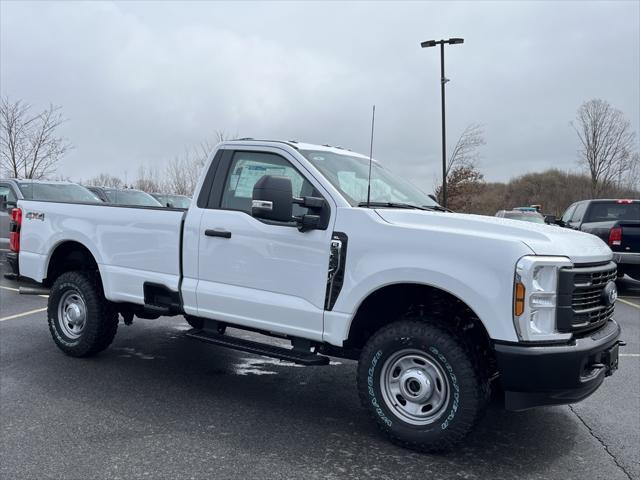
627 302
23 314
629 354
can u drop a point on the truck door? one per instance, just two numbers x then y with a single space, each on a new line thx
260 274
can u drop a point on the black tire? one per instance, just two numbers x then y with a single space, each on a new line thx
100 318
451 364
195 322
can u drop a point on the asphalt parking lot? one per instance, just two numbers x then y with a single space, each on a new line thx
158 405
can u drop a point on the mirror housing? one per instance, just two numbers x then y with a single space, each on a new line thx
272 199
550 219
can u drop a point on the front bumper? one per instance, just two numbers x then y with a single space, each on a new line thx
626 258
533 376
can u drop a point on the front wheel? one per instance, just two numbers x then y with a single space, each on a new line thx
81 320
419 383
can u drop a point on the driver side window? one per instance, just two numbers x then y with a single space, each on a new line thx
248 167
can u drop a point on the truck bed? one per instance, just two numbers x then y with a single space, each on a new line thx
132 245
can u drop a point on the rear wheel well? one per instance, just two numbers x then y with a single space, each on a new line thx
394 302
69 256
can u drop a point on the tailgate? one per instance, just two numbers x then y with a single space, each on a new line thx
630 237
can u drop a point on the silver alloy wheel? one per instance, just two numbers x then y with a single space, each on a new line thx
414 387
72 314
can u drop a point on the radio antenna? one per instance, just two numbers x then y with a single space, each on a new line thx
373 121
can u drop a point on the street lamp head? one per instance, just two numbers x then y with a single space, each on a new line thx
453 41
428 43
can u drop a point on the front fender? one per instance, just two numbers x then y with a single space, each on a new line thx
477 270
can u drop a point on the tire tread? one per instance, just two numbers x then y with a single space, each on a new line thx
458 352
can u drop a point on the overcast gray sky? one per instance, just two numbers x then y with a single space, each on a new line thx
139 82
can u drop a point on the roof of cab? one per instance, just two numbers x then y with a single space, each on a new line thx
297 145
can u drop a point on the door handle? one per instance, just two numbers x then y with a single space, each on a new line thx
217 233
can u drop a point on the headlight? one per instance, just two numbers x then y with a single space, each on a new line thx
534 298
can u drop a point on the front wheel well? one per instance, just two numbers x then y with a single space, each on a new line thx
69 256
408 300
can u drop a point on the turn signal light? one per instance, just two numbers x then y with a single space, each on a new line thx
518 299
615 236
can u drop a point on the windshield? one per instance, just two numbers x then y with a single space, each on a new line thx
131 197
56 192
608 211
349 174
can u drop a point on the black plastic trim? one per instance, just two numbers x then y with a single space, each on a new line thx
207 184
222 171
291 354
555 374
334 284
181 261
565 313
159 295
217 233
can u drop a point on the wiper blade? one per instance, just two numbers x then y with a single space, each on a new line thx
391 205
438 208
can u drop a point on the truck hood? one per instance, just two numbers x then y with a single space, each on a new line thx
542 239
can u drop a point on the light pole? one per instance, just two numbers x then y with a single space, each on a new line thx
443 80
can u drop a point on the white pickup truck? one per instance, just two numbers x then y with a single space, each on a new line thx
438 308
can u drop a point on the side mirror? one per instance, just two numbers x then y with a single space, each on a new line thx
3 203
272 199
550 219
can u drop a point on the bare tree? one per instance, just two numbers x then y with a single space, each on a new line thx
30 146
106 180
464 183
607 143
462 164
465 152
631 179
148 179
221 136
183 172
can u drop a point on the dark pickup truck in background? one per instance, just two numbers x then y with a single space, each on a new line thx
616 222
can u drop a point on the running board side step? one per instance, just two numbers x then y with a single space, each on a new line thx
235 343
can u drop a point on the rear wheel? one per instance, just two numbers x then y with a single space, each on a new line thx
421 386
81 321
